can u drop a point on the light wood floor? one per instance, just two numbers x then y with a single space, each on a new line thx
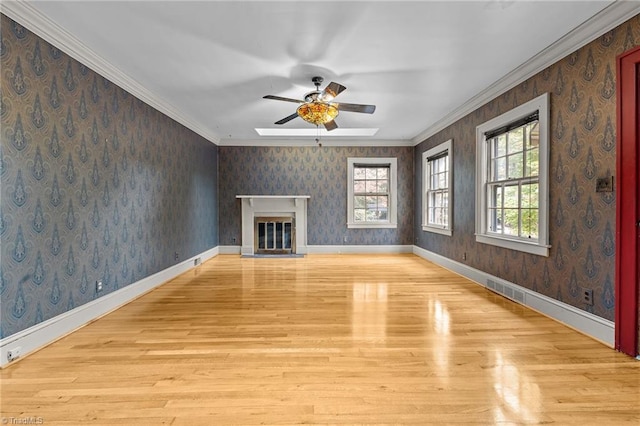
323 339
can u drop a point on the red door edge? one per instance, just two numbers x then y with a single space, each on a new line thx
626 305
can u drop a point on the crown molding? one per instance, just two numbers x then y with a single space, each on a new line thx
32 19
340 132
607 19
311 142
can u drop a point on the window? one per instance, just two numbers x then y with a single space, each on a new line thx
512 179
371 193
437 206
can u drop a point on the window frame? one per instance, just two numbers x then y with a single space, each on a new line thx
426 187
392 208
540 247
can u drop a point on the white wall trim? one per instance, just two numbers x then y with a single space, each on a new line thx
230 249
46 332
351 249
360 249
598 328
392 203
540 246
32 19
446 146
606 20
311 142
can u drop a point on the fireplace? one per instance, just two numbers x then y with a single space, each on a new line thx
274 235
274 224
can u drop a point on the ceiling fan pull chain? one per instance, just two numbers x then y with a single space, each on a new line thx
318 136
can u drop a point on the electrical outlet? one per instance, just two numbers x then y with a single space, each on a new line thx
13 354
464 256
345 239
587 296
175 256
99 286
233 240
604 184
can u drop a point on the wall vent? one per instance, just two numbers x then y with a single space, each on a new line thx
491 285
197 261
507 291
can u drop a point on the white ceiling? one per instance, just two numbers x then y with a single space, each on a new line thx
209 63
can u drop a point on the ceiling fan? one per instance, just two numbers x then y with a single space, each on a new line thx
318 106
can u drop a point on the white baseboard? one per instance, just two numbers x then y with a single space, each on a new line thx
230 249
598 328
359 249
48 331
53 329
338 249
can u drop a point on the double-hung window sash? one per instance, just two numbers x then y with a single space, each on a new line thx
513 179
438 190
371 196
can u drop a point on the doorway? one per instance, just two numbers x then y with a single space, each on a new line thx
628 202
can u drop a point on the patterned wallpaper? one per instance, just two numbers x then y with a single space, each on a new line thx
320 172
583 148
95 184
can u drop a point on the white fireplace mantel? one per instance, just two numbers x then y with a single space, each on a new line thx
273 205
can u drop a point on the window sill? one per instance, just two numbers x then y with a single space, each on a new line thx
360 225
523 246
435 230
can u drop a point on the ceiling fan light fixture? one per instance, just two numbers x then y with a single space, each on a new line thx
317 107
317 112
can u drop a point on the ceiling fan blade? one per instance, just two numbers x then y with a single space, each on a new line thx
330 125
367 109
287 119
333 89
280 98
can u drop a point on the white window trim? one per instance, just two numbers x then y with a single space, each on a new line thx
541 247
444 146
392 222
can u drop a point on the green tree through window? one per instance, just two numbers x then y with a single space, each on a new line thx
513 185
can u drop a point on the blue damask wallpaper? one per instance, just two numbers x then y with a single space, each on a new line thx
320 172
583 148
95 184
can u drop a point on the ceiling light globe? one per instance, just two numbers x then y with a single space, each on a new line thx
317 112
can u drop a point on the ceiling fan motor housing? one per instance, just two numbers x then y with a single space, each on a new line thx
312 96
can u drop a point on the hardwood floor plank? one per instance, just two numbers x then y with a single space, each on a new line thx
324 339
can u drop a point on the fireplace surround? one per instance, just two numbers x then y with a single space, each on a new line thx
275 212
